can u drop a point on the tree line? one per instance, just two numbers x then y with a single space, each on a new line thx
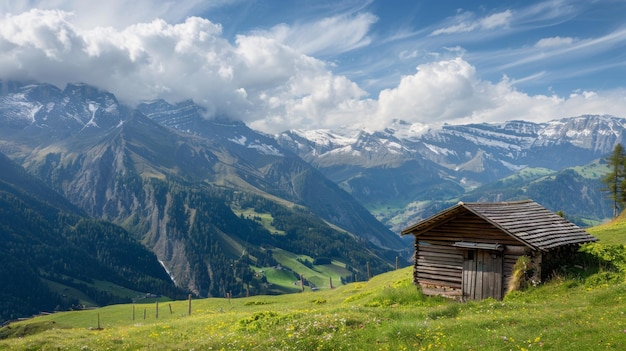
217 267
47 253
615 179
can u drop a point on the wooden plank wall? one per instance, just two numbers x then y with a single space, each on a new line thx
439 266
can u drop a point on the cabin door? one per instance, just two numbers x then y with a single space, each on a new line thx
482 275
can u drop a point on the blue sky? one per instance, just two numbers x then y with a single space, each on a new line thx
346 64
554 46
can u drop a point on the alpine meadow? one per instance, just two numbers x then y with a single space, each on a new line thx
312 175
580 308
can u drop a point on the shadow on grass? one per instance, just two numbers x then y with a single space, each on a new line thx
23 330
594 264
402 293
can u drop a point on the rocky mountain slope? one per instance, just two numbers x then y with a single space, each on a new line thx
212 198
275 169
182 188
53 253
391 170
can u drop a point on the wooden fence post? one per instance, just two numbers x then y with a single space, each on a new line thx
133 312
368 270
169 304
189 306
157 310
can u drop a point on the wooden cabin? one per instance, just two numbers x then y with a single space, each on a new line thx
468 251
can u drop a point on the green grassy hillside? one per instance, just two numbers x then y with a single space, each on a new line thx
611 233
581 308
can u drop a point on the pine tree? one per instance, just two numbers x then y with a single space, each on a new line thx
615 180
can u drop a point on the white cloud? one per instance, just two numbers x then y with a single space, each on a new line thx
462 27
451 91
265 79
332 35
257 79
408 54
439 91
467 23
554 41
118 14
497 20
561 48
142 61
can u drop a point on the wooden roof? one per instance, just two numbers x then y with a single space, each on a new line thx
527 221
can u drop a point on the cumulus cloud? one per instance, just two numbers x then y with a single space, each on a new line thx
268 79
139 62
91 14
439 91
257 79
452 92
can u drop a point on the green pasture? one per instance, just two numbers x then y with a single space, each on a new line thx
265 219
582 307
594 170
319 275
386 313
611 233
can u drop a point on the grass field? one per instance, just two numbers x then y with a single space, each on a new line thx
265 219
571 312
611 233
319 275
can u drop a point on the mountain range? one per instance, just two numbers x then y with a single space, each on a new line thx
214 200
197 200
393 170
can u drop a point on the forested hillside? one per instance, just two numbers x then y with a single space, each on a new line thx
222 247
179 184
55 258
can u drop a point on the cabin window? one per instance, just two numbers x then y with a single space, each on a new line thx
470 255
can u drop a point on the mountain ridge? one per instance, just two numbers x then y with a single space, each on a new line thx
459 157
53 253
143 168
176 191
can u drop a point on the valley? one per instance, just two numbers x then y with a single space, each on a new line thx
312 175
581 308
224 209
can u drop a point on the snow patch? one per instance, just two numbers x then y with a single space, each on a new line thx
512 167
265 149
439 150
241 140
16 107
93 108
324 137
257 145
